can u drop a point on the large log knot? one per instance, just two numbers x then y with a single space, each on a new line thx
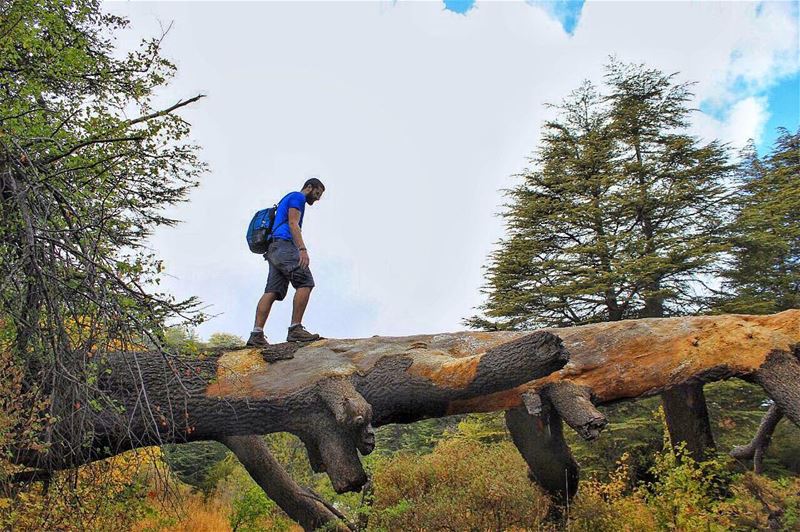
337 432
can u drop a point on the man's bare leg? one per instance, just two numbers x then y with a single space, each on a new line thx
263 308
298 333
299 304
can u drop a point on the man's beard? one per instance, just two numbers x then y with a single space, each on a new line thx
311 201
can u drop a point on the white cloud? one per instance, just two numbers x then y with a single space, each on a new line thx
742 121
766 49
414 117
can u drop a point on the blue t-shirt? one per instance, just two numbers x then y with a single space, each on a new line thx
280 228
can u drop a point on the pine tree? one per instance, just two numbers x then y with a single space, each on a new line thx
673 187
764 272
618 216
558 264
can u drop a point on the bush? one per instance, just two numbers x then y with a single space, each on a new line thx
250 508
200 464
610 506
688 495
461 485
107 495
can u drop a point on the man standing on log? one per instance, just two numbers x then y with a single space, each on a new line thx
288 263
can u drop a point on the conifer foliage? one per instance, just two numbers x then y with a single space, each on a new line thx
618 215
763 275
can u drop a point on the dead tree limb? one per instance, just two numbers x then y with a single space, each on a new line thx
574 404
757 448
298 503
540 440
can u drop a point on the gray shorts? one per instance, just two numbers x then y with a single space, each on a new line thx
284 268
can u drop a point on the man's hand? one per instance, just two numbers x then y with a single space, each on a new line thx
304 260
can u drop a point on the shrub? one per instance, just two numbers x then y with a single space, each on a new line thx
688 495
461 485
106 495
610 506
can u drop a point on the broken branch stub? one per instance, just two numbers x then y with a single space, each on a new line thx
574 405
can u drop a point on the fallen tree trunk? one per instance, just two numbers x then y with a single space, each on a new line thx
630 359
329 394
640 358
333 391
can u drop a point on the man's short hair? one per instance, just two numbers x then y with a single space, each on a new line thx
314 183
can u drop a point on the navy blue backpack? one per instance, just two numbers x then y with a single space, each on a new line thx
259 232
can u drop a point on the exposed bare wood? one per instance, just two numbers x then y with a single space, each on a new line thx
640 358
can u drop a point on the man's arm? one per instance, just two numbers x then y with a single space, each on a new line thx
297 236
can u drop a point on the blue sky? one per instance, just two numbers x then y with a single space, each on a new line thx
416 115
783 103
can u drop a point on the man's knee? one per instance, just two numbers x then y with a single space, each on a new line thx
268 298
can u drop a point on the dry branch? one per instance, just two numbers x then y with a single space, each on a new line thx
756 449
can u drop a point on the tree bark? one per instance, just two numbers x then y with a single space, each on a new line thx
687 419
333 392
779 377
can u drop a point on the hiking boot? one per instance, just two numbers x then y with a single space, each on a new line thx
257 339
298 333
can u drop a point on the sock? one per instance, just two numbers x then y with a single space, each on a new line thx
293 325
258 329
